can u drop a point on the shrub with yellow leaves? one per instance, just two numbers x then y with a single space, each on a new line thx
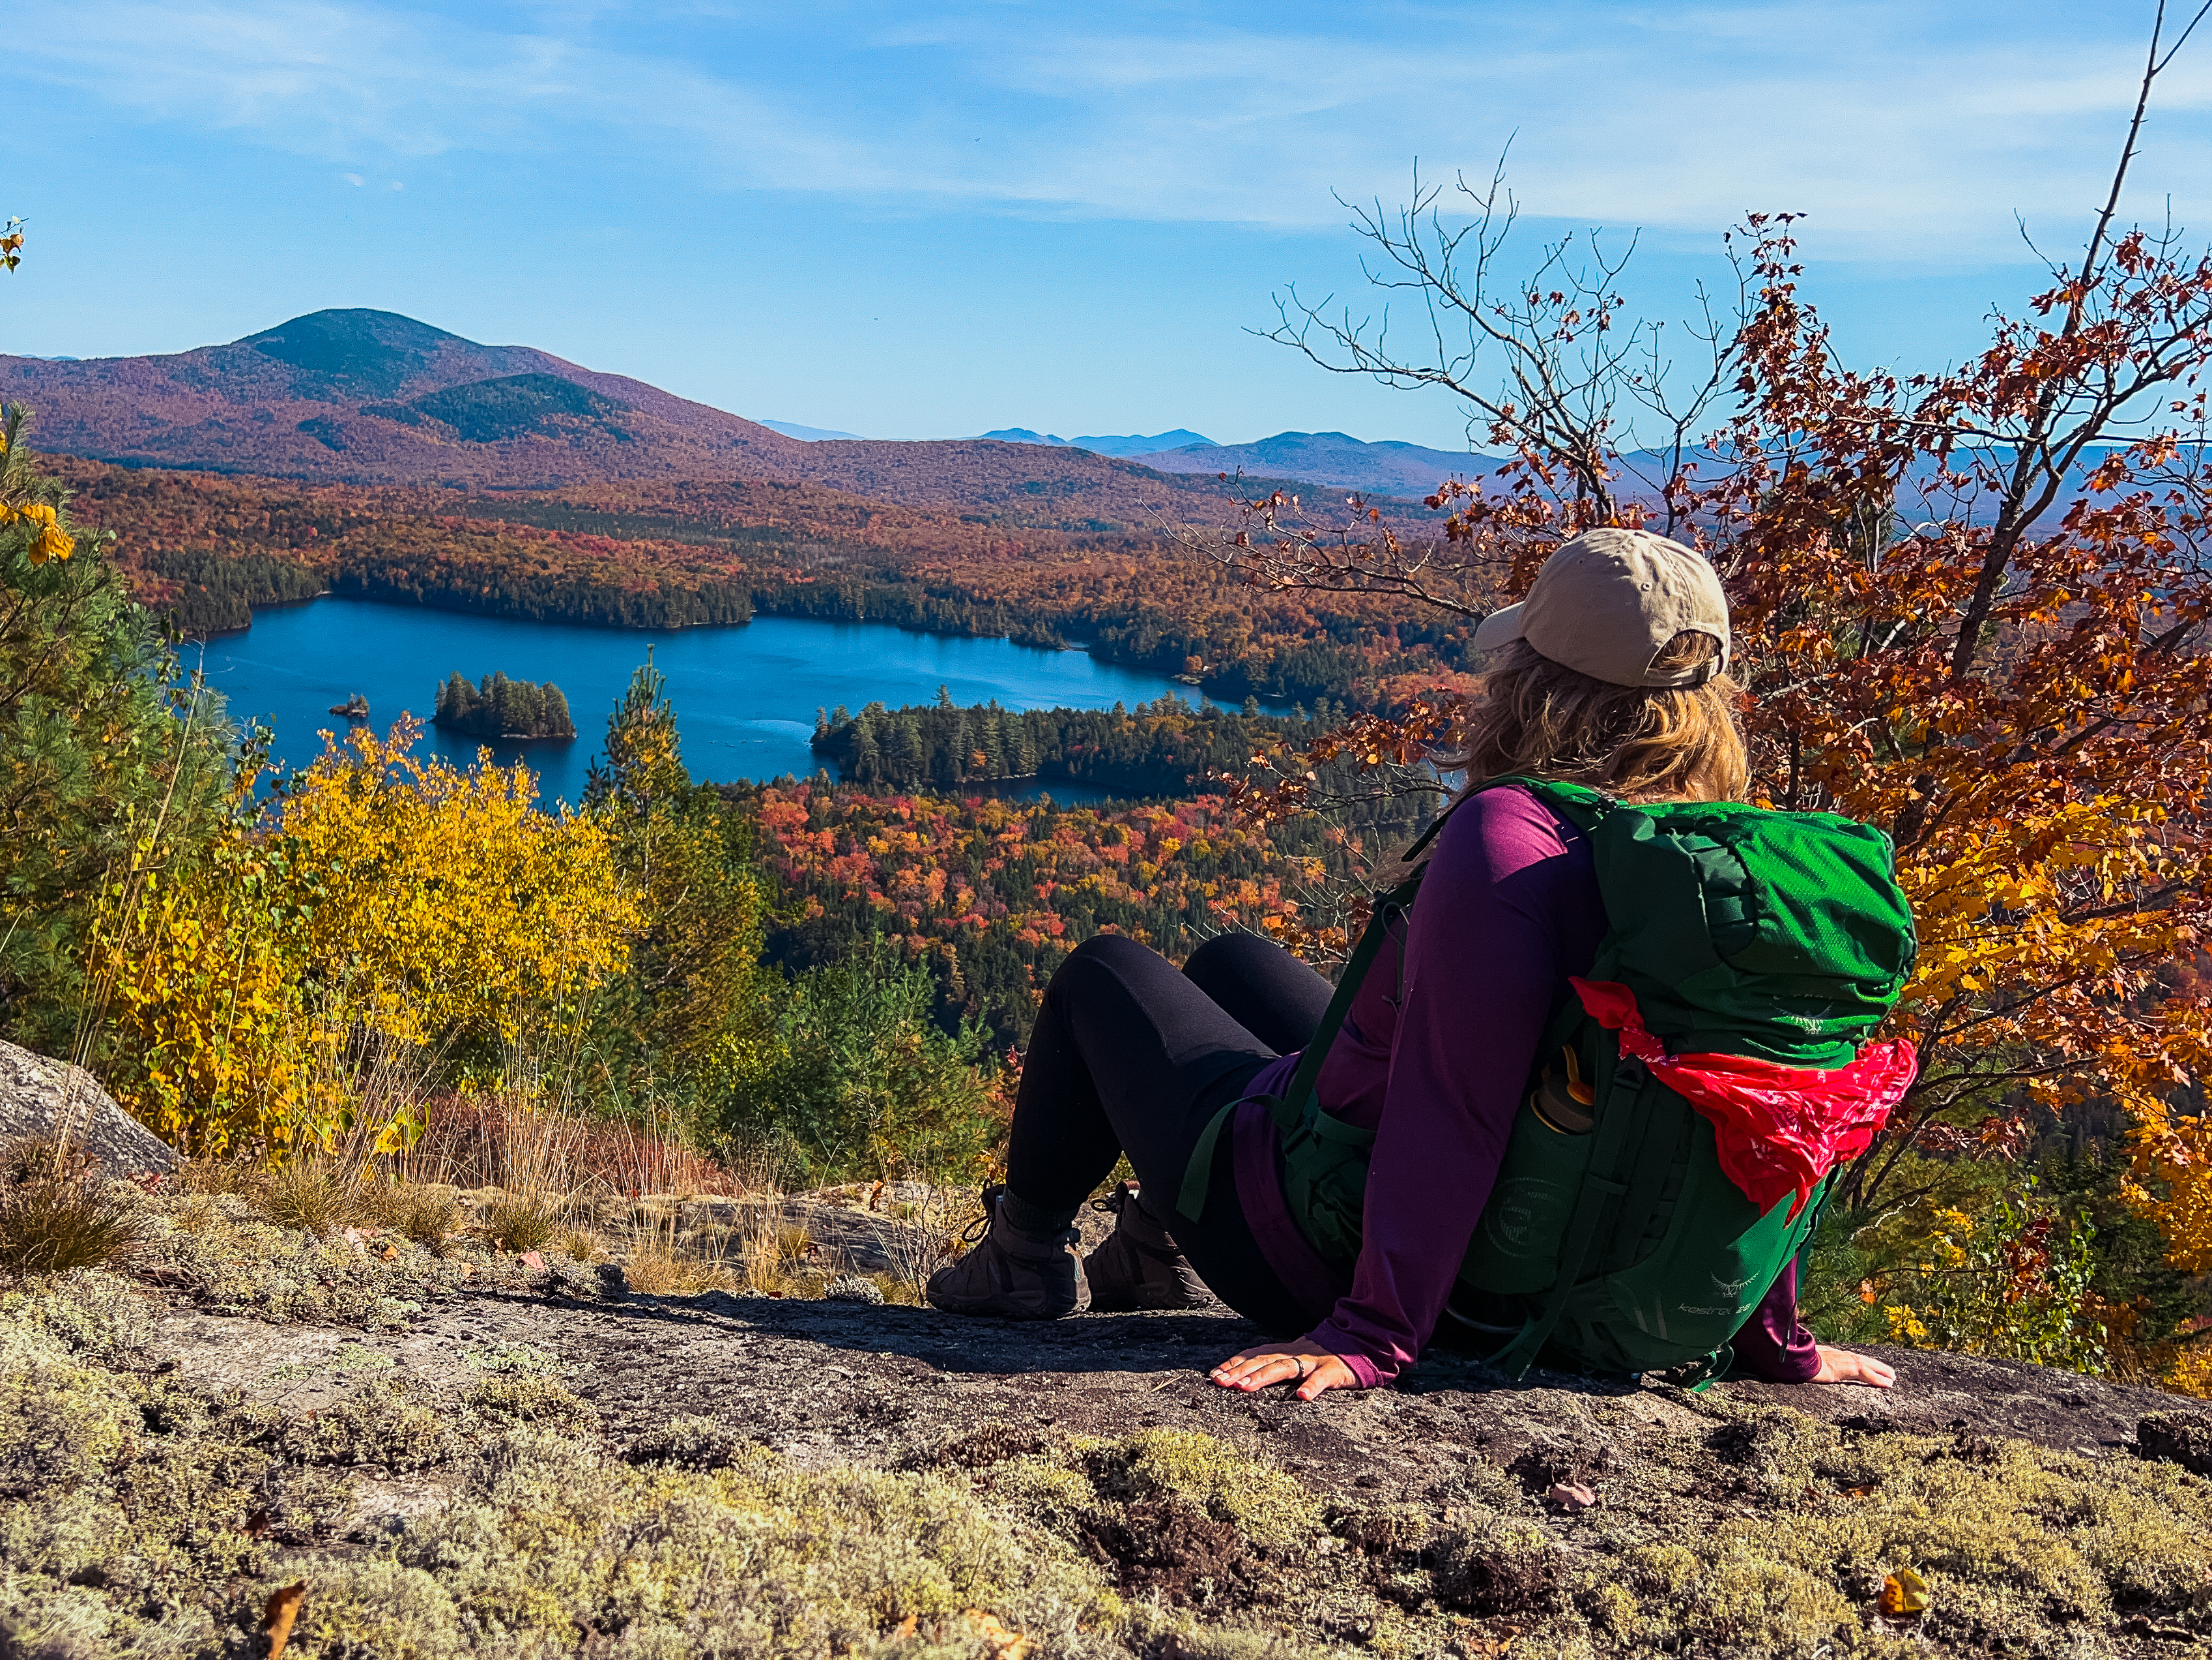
202 964
2176 1153
47 539
25 498
444 901
378 891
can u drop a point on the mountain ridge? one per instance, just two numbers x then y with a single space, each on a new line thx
335 396
1123 446
1334 460
356 396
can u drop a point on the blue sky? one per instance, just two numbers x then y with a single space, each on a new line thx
925 220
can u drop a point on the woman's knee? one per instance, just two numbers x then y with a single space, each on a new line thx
1230 961
1225 953
1109 956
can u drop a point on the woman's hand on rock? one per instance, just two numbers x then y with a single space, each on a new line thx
1842 1366
1306 1364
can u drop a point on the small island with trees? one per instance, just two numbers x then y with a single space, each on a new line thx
498 707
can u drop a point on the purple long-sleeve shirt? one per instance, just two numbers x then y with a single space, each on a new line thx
1433 1057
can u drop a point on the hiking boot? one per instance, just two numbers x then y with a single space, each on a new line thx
1014 1274
1138 1265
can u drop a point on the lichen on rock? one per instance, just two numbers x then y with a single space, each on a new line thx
461 1456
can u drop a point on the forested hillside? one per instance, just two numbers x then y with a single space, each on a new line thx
357 397
205 549
1162 749
990 894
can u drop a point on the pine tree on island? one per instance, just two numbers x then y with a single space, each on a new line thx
500 708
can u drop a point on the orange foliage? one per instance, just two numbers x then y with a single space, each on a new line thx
996 893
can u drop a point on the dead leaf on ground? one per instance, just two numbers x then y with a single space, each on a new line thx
531 1259
1905 1596
277 1615
1571 1496
998 1643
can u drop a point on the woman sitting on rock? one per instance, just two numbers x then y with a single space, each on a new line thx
1609 676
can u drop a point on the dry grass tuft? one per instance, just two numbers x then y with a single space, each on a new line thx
310 1193
427 1215
658 1269
667 1259
222 1177
36 1157
921 1234
54 1223
501 1139
519 1221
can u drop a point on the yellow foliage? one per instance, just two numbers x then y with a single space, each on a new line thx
205 976
2191 1371
48 541
444 899
2177 1154
406 896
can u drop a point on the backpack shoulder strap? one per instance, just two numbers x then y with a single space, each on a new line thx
1403 875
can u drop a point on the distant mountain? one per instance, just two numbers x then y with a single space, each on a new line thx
370 397
1125 446
1331 458
806 434
374 398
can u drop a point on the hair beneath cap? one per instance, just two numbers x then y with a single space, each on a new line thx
1537 718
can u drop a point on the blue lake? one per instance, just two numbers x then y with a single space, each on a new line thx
744 695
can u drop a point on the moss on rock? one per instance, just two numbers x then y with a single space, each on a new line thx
142 1515
391 1421
222 1254
555 1548
532 1398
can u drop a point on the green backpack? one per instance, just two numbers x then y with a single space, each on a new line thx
1613 1233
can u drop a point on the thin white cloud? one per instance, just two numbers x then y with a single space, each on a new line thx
1908 130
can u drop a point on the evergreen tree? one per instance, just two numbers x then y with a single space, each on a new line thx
108 760
906 755
500 708
867 762
690 1001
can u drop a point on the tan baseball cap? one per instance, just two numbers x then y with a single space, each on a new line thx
1606 604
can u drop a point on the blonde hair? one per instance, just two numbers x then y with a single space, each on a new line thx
1533 718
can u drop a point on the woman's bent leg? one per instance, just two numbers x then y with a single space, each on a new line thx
1126 1050
1261 987
1130 1055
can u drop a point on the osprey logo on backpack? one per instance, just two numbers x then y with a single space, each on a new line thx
1729 1293
1527 1215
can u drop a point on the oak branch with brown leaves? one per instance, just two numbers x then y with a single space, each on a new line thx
1971 607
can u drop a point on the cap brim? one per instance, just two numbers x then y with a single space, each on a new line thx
1500 628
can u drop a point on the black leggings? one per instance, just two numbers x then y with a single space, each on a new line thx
1132 1055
